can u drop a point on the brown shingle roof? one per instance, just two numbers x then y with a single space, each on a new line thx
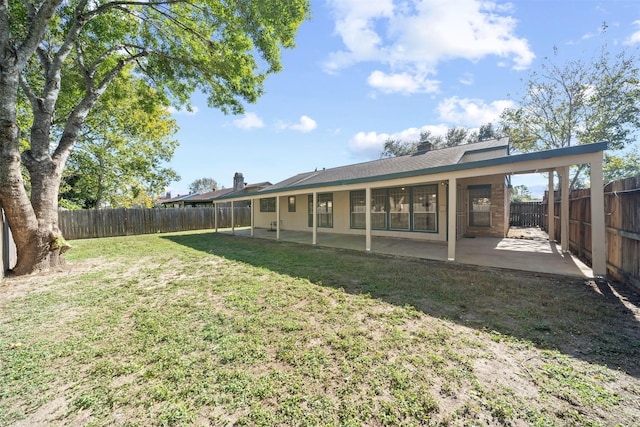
389 166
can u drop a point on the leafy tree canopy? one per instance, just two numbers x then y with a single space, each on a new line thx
119 158
622 166
203 185
580 102
453 137
520 193
60 57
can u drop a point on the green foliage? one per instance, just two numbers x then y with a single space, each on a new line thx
397 148
453 137
286 334
623 166
520 193
580 102
203 185
118 160
75 64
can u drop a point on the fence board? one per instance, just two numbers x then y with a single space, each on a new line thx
622 222
526 214
87 224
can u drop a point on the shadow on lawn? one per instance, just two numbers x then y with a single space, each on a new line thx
595 321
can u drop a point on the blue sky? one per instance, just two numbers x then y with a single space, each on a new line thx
364 71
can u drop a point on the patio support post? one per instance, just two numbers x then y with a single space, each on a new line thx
367 219
598 233
277 217
564 210
551 205
252 217
233 225
451 223
215 216
315 218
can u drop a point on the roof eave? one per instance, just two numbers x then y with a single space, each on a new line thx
512 158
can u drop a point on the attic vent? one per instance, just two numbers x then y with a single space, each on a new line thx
423 147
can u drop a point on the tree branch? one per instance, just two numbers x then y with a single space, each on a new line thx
5 34
37 27
79 114
31 96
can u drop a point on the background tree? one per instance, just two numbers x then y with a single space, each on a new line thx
579 103
203 185
397 148
457 136
119 158
623 166
520 193
73 50
487 132
453 137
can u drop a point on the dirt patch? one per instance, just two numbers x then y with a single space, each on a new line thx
527 233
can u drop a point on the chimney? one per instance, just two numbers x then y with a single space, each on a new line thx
168 195
423 147
238 181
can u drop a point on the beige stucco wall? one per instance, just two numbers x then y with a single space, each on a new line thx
262 219
298 220
294 220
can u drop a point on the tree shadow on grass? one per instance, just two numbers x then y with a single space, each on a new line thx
598 322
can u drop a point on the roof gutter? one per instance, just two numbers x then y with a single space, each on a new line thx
510 159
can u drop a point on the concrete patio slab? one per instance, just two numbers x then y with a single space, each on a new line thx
534 253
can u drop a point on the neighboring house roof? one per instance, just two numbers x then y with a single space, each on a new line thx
249 189
179 198
211 195
259 185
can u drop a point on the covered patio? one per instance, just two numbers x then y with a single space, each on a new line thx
434 205
533 253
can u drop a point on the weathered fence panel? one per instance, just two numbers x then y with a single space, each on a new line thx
622 222
88 224
526 214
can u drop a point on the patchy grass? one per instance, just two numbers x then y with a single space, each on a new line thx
210 329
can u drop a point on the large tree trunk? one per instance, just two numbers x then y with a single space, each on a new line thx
39 242
33 223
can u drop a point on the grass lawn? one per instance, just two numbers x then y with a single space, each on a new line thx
210 329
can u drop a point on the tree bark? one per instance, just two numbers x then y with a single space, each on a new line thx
33 223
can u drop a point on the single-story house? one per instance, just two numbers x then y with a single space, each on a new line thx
432 195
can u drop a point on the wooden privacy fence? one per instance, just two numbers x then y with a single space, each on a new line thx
622 222
87 224
526 214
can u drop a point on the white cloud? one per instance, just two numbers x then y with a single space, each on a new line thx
371 144
467 79
412 37
249 121
454 111
306 124
635 37
368 144
471 112
189 111
401 83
